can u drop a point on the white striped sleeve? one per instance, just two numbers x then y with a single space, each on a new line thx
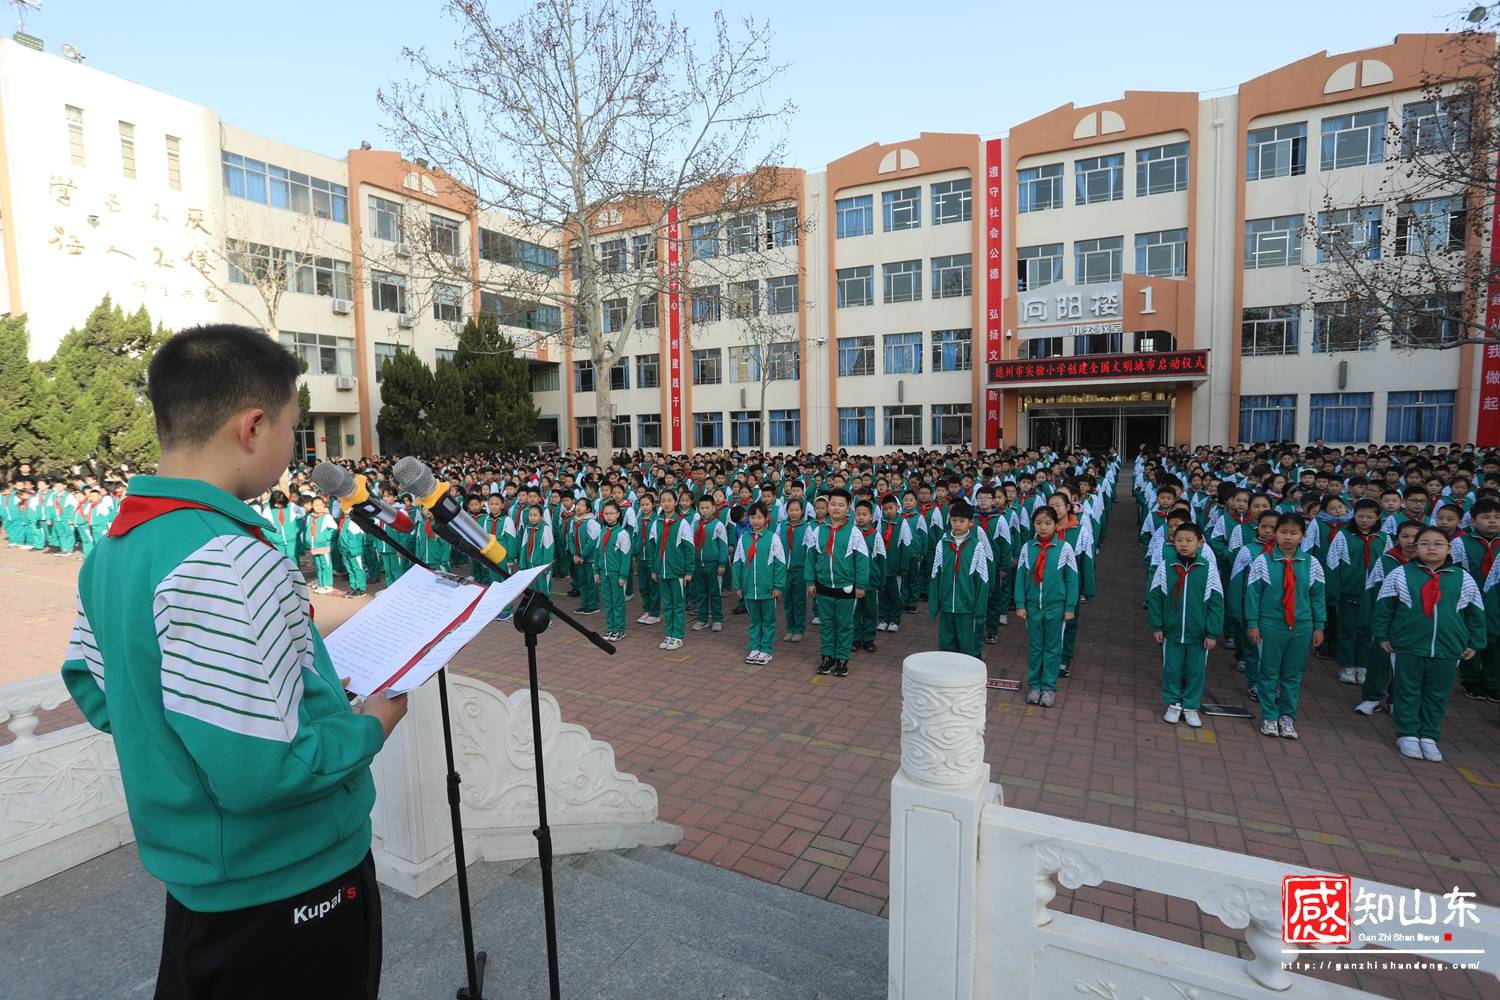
233 629
83 647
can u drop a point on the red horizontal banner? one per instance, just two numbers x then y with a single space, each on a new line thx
1102 366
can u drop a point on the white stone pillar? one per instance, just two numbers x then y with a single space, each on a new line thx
936 801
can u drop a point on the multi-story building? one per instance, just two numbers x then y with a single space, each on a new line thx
1140 271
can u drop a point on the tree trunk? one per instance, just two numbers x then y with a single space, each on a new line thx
604 427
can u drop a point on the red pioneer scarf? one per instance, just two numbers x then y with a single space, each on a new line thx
1432 590
1182 575
750 552
1289 590
958 556
1040 570
1489 555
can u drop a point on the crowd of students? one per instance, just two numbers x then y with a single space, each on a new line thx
1378 560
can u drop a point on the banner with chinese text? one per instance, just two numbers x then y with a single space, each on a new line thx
994 284
674 328
1171 364
1487 433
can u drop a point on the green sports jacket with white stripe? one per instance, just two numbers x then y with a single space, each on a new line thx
246 773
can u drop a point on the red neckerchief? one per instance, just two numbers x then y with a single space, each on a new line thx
1040 570
790 527
1432 590
1398 555
609 530
1182 575
88 514
1489 554
1289 588
531 539
667 523
833 533
984 522
750 552
577 525
958 553
890 526
427 527
343 521
700 534
1366 540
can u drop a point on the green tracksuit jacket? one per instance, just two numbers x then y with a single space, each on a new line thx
1186 600
1455 624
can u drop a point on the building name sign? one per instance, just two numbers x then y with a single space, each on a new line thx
1168 364
1079 309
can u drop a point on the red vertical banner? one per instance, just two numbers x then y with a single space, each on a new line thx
1487 434
994 283
674 326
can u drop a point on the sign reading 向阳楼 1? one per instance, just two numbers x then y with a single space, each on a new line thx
1071 310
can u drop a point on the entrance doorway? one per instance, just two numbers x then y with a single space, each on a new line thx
1098 428
1144 429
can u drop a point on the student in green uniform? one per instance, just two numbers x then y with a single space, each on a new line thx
286 525
1377 685
351 541
534 548
1046 600
895 538
1284 609
917 558
960 582
794 595
672 557
392 563
1185 608
1480 675
839 572
83 520
583 546
867 608
650 590
612 562
1352 553
758 575
321 529
1428 617
711 545
433 549
994 524
250 799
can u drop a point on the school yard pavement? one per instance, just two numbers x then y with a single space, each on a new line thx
777 773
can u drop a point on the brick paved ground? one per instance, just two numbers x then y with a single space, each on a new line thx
783 775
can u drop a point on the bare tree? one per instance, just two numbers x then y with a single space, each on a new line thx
769 337
1412 261
586 124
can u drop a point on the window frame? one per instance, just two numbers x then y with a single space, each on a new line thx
380 281
1335 225
1331 132
1024 262
962 350
952 201
1154 160
1357 407
1295 141
953 276
776 299
901 209
855 356
1085 252
1256 258
899 277
854 216
648 371
1179 255
860 419
784 425
385 217
708 421
901 353
1283 406
1367 331
900 418
847 278
945 413
1111 167
1252 338
1046 178
77 144
708 361
1439 410
447 303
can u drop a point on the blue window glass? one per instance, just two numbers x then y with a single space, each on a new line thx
1419 417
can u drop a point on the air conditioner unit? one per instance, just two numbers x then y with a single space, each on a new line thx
344 383
402 250
343 307
406 321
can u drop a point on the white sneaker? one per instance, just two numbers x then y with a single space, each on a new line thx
1268 728
1173 714
1409 746
880 626
1191 718
765 658
753 656
1005 619
643 620
1349 675
699 626
893 627
663 644
794 637
1288 728
672 644
817 621
1430 750
1362 672
1367 707
717 626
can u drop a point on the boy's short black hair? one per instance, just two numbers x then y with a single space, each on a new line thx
865 504
1365 503
1484 505
1292 518
1190 528
961 508
202 376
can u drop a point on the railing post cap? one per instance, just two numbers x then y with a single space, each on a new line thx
944 669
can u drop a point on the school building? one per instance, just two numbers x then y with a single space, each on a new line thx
1138 271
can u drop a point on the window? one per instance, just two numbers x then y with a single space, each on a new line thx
583 376
854 216
744 428
783 361
646 314
1098 343
744 299
1279 151
388 292
903 353
643 251
952 201
323 354
1162 254
705 303
856 286
1268 418
445 237
952 276
174 163
1429 321
612 256
1039 188
546 378
1419 417
615 311
952 350
1099 178
744 364
1038 266
1269 330
1340 417
1098 260
856 356
1034 348
740 234
1161 169
1440 126
619 375
1349 234
447 303
1431 225
442 354
502 249
588 432
903 281
75 134
856 426
249 263
1149 341
703 240
903 209
278 187
1273 242
1344 326
708 430
649 427
620 431
127 150
244 177
515 312
952 424
384 353
903 426
708 366
781 228
781 295
333 278
385 219
1353 140
786 428
648 371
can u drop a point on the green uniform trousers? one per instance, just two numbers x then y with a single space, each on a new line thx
392 565
836 636
1481 673
1184 666
957 633
674 607
710 606
762 613
995 607
1348 643
355 565
1283 658
323 566
1044 645
1070 639
866 614
1377 664
588 590
85 542
612 595
1421 685
794 599
64 537
650 591
891 601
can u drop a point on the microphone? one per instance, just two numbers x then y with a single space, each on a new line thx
354 492
451 520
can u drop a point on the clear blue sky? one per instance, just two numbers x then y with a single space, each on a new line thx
306 71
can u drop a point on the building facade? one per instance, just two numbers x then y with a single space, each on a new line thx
1136 272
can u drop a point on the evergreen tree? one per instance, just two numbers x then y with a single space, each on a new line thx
497 389
448 423
406 394
22 396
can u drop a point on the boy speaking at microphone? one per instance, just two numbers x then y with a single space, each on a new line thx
246 771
